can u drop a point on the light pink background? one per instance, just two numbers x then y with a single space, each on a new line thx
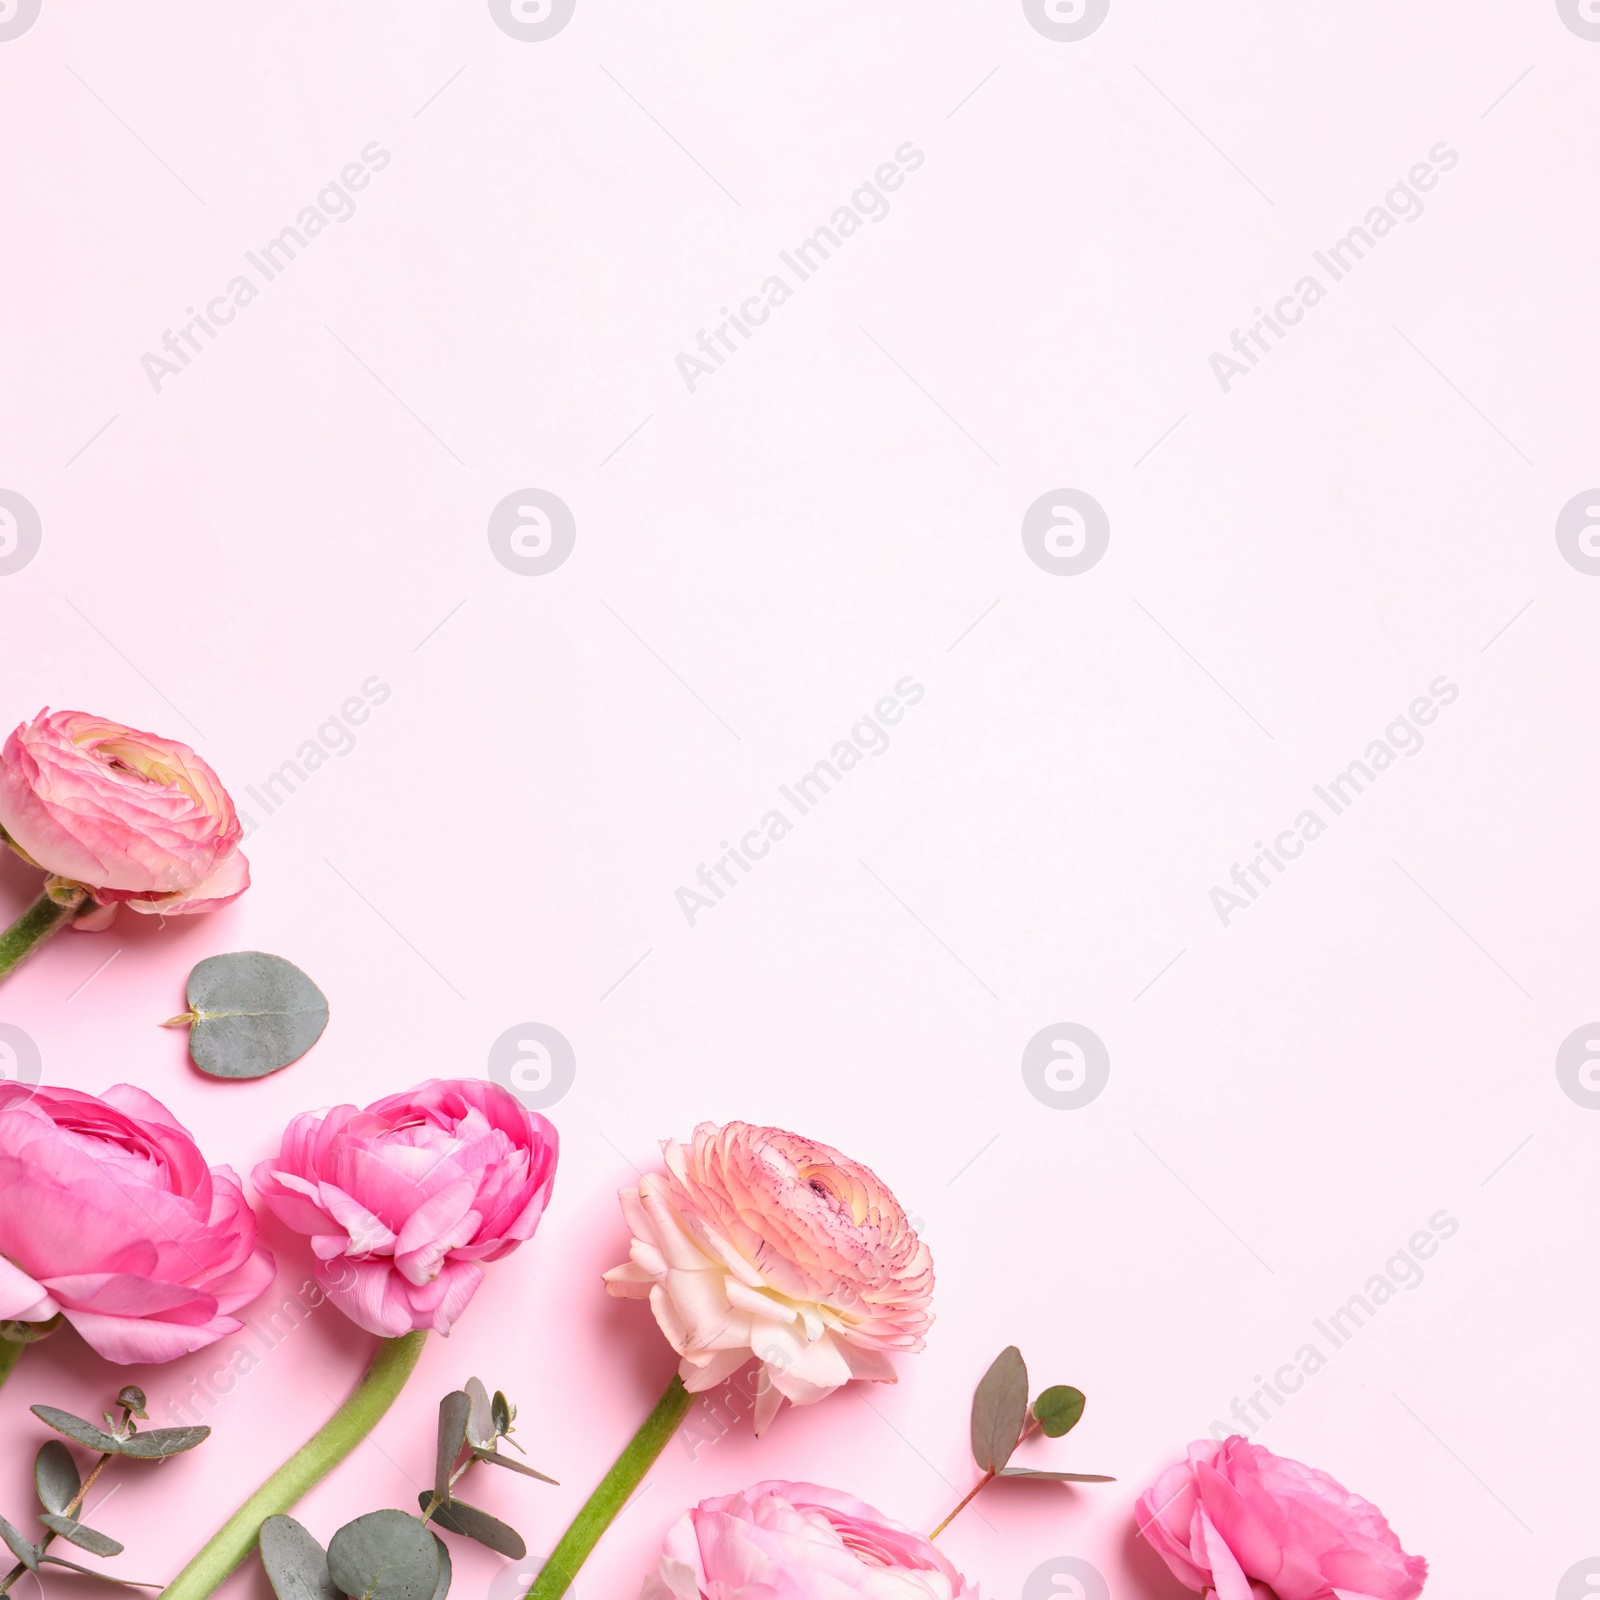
1297 560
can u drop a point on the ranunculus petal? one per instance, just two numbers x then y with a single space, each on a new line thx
798 1541
109 1214
138 1341
1239 1521
404 1200
758 1241
22 1299
132 815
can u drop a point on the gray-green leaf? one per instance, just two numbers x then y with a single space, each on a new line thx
161 1442
495 1459
76 1428
503 1411
296 1565
55 1475
385 1555
1056 1477
446 1571
74 1532
480 1421
1058 1409
999 1410
459 1517
105 1577
453 1412
250 1014
133 1397
26 1553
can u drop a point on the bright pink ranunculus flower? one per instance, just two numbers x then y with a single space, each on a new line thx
796 1541
132 816
1236 1520
756 1242
403 1200
110 1216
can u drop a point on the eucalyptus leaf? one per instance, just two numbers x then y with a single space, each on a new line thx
159 1443
480 1422
459 1517
1058 1409
446 1570
503 1413
296 1565
26 1553
999 1410
1055 1477
385 1555
55 1476
105 1577
453 1411
133 1398
495 1459
74 1532
250 1014
76 1428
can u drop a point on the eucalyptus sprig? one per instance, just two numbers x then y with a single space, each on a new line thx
62 1490
1002 1419
392 1555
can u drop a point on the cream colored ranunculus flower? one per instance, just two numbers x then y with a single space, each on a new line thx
758 1243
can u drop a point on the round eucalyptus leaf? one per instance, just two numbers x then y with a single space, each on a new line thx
495 1459
459 1517
999 1410
296 1564
55 1475
481 1429
76 1428
104 1577
250 1014
446 1571
133 1397
1055 1477
385 1555
70 1529
157 1443
1058 1409
27 1554
453 1412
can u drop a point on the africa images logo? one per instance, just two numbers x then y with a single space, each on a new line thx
16 17
531 21
21 533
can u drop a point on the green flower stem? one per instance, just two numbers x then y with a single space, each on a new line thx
317 1457
9 1351
601 1508
35 925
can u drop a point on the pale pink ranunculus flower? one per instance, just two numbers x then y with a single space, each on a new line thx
110 1216
1236 1521
756 1242
133 817
404 1200
796 1541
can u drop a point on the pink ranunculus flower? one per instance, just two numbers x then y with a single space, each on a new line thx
1238 1522
110 1216
756 1242
133 817
796 1541
404 1200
